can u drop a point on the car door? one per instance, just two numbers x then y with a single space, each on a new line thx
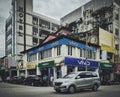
88 80
80 80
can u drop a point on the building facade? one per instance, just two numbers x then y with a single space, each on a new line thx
58 57
25 29
93 15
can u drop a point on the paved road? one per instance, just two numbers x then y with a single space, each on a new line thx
10 90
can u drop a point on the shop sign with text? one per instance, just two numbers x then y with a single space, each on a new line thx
31 65
46 64
106 66
81 62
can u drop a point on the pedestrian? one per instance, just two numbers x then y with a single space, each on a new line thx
51 80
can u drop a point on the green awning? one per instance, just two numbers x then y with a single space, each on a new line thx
46 64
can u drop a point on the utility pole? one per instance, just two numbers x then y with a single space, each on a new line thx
86 51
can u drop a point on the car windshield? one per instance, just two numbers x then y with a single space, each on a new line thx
71 75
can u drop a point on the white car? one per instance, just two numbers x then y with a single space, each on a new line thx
76 81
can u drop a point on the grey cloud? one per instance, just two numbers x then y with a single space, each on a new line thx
2 44
5 7
2 52
57 8
4 13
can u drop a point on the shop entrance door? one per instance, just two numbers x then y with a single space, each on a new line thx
47 73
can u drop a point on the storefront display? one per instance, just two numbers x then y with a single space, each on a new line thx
46 69
106 72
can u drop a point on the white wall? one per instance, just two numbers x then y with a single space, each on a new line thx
64 70
28 19
29 40
20 48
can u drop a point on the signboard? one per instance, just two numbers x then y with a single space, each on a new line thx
31 65
80 62
106 66
107 48
20 17
106 40
47 64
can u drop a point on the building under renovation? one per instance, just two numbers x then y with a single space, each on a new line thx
98 22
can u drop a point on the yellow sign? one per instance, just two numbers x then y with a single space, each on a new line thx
106 38
31 65
108 48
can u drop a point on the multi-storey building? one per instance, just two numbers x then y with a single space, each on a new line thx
86 23
59 56
25 29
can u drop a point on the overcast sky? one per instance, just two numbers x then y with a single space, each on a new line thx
57 8
52 8
5 6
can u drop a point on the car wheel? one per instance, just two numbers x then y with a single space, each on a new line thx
58 91
71 89
95 87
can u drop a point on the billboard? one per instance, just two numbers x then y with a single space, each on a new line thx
80 62
106 40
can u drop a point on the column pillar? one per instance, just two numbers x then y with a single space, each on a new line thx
63 70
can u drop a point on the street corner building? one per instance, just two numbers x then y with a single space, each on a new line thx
58 57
